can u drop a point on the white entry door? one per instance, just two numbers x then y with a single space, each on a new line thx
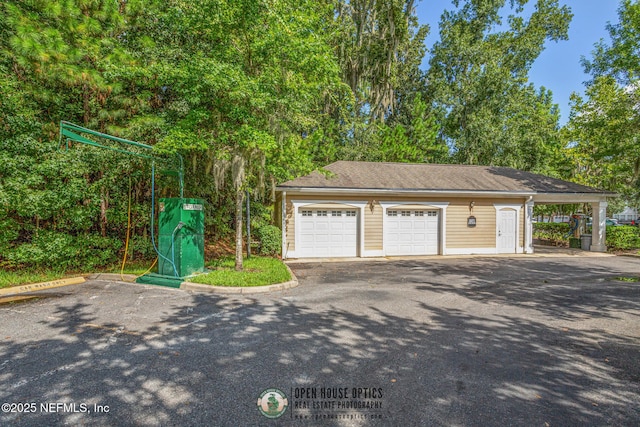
507 231
411 232
327 233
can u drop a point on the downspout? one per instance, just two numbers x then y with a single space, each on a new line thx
283 214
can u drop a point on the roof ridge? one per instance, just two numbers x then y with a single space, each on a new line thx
422 164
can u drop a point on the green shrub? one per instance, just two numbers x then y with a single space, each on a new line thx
50 249
623 237
552 231
141 247
9 231
95 251
270 238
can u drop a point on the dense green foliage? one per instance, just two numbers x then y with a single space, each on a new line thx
252 93
618 237
604 126
478 76
623 237
552 232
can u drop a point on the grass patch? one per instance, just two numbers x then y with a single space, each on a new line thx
627 279
24 277
28 276
258 271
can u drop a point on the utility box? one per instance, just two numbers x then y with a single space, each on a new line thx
180 237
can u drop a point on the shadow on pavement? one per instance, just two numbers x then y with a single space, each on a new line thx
207 361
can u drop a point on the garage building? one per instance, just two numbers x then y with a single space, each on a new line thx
367 209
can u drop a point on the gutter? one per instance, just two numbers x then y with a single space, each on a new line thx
478 193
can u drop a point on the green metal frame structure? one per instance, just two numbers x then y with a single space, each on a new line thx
71 132
180 221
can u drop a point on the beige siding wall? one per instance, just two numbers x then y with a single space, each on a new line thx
291 228
521 232
458 235
373 228
483 235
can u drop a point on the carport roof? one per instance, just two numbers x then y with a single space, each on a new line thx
423 177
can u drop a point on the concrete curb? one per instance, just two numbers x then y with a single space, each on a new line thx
189 286
41 286
114 276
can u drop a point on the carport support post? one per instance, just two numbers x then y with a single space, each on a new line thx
528 226
599 227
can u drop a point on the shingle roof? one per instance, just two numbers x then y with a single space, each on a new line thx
433 177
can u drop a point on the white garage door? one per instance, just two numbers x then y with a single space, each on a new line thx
327 233
411 232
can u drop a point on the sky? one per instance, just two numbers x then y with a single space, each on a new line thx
558 68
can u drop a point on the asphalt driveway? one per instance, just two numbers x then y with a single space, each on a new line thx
472 341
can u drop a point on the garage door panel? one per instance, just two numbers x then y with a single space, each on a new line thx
336 239
419 224
321 226
336 227
306 238
405 226
327 233
411 232
307 226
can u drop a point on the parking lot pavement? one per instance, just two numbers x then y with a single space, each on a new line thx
487 341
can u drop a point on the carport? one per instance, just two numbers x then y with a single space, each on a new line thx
598 209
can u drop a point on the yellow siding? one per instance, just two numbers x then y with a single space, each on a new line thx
483 235
373 228
521 232
291 228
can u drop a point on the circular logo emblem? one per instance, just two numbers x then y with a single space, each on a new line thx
273 403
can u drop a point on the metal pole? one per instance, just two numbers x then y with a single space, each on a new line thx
248 227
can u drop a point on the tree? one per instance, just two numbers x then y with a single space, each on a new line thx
603 128
243 89
621 58
478 81
414 142
380 47
54 65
